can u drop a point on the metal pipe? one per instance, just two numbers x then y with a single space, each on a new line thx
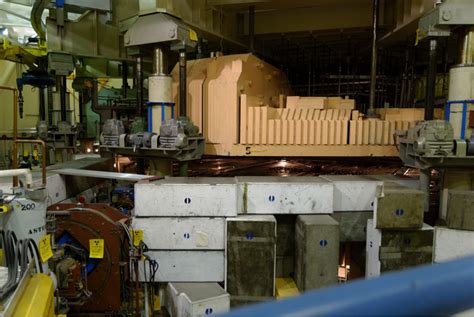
442 289
139 82
42 104
137 289
81 107
19 172
124 78
15 128
62 94
95 95
43 152
466 51
252 29
182 83
373 70
146 298
35 17
431 81
158 62
50 105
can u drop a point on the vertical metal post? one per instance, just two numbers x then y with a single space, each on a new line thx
50 105
42 104
199 49
431 81
62 92
139 82
81 107
373 71
158 61
252 29
182 83
82 114
124 78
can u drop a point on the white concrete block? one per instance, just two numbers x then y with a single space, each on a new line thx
186 266
401 248
410 182
196 299
182 233
183 196
284 195
353 192
374 240
450 244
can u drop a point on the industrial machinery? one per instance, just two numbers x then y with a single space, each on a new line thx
446 145
432 144
90 257
88 252
24 289
168 136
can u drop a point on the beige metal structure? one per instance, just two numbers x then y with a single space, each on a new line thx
242 107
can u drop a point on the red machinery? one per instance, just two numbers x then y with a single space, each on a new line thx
87 284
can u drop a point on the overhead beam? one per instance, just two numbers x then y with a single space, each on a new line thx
406 14
313 19
233 2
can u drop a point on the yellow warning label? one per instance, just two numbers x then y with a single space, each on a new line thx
96 248
157 303
193 35
45 248
137 237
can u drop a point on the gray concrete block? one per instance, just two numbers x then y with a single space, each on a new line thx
352 225
251 243
317 251
460 212
398 207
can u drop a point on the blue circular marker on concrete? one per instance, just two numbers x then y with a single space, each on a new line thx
399 212
249 235
323 243
209 311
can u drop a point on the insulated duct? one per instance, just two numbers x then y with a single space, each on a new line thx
36 14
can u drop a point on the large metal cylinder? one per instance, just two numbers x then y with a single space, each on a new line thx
461 88
466 51
158 62
159 90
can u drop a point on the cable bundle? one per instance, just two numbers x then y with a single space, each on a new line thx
18 255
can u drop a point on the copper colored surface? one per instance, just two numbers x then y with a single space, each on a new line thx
231 166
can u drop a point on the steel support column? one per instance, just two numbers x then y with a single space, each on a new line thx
431 81
252 29
182 83
139 84
373 71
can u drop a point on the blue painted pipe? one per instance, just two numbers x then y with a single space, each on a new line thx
441 289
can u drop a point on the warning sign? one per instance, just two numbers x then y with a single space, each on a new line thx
45 248
96 248
137 237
